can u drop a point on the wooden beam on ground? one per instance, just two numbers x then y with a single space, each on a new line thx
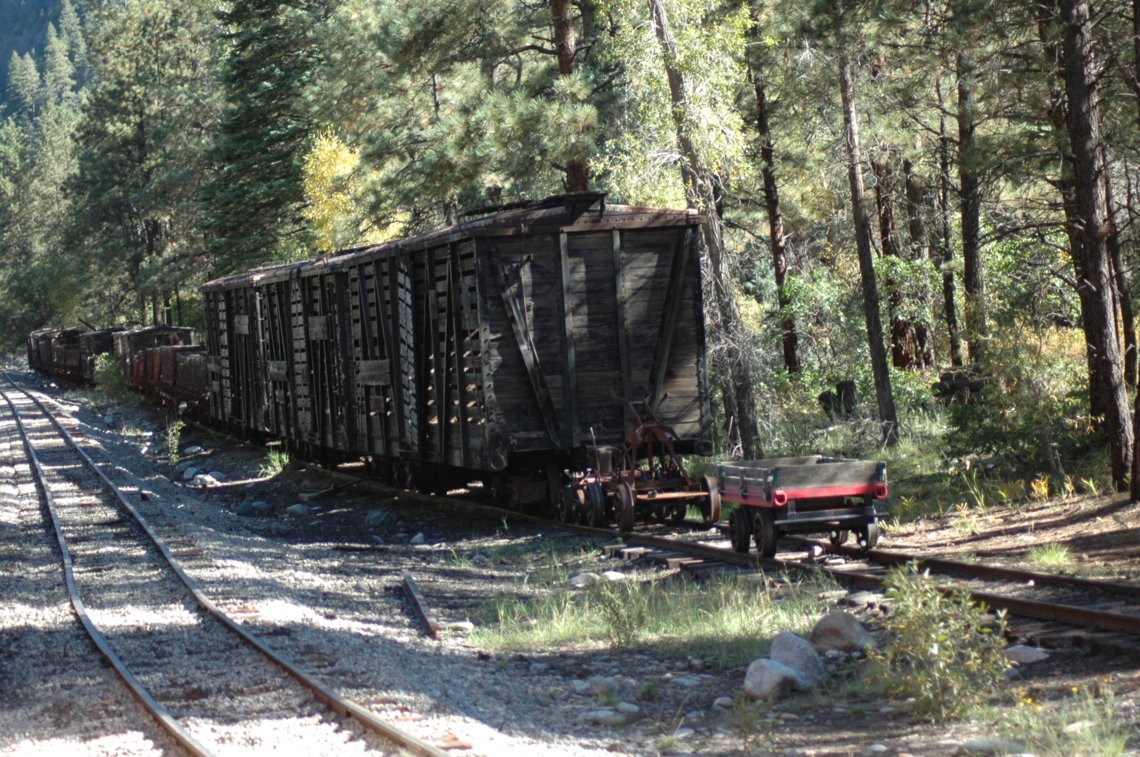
431 625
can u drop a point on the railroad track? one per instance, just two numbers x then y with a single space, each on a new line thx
1048 609
209 683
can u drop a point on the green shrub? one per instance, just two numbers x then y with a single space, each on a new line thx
939 649
110 378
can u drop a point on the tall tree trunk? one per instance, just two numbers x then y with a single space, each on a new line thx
1066 185
566 48
778 239
970 189
1080 74
702 188
1123 290
946 252
919 204
903 348
879 368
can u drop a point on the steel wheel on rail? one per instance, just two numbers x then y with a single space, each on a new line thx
595 506
867 536
624 499
566 508
740 529
710 507
764 532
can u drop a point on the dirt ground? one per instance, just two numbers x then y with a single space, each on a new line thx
1101 534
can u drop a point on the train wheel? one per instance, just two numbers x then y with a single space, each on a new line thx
740 529
764 533
867 536
675 514
595 506
624 497
838 537
553 492
566 509
710 507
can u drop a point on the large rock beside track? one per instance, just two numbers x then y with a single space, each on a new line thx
842 632
798 654
768 679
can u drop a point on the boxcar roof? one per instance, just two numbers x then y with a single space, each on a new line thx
578 212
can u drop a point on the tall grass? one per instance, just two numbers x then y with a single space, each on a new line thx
726 620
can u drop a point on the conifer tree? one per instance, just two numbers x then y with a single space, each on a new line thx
253 204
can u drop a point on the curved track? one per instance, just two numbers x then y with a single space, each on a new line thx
207 681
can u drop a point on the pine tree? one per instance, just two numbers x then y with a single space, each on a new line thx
253 204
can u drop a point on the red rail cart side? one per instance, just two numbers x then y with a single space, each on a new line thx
813 494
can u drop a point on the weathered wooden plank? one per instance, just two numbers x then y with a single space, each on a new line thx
664 341
508 283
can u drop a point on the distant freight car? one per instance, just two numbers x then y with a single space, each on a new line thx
546 349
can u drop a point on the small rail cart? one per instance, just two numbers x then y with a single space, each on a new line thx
812 494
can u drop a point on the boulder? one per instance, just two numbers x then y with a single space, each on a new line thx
798 654
840 631
1024 655
582 580
768 679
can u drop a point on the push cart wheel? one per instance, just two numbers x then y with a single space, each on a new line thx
740 529
764 533
867 536
710 507
675 514
838 537
624 499
595 506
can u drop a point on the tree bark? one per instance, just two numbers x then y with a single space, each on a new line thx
778 239
903 339
969 188
946 253
919 204
1080 79
879 368
702 188
566 48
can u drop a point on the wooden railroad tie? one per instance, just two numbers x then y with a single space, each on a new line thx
431 625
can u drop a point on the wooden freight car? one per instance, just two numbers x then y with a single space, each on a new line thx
92 344
557 344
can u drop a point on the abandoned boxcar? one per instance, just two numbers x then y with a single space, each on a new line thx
516 347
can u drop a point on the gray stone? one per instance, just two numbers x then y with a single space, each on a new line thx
539 667
580 686
840 631
798 654
193 449
1024 655
189 473
628 708
722 703
418 538
599 685
217 475
375 517
683 733
989 745
767 679
582 580
687 681
298 510
613 576
604 716
204 481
